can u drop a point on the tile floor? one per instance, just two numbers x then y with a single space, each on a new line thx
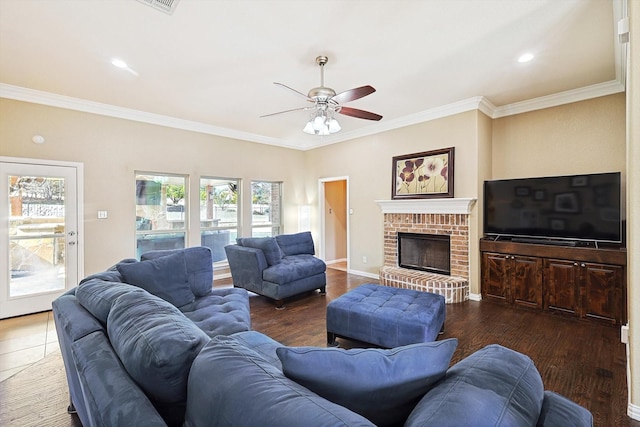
25 340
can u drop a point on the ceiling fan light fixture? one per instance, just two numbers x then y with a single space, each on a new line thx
327 104
334 126
309 128
318 122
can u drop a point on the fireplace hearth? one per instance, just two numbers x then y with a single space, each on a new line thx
440 217
425 252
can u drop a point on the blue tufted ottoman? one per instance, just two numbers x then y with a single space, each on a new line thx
385 316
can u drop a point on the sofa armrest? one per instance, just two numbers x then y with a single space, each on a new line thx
558 411
110 396
246 265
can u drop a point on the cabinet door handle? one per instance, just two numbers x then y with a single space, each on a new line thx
583 265
575 264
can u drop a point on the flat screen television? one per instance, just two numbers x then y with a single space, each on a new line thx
557 208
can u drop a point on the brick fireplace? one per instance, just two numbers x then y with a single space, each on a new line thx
428 216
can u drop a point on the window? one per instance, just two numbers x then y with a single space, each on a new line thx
219 214
266 208
161 212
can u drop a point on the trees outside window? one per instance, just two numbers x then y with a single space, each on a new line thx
219 214
161 212
266 208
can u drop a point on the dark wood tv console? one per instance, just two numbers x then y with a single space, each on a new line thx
584 282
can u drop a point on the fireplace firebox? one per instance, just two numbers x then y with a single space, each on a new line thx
425 252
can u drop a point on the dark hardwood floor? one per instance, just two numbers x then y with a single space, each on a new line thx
583 361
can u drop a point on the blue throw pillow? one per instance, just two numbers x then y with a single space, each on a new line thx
156 344
165 277
296 244
267 245
199 266
381 385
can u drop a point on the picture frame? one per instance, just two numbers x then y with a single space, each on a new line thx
425 175
540 195
523 191
566 202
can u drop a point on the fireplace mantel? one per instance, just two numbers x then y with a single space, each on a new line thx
427 206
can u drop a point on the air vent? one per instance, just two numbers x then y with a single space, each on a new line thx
166 6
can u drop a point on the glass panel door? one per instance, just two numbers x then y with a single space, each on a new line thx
40 235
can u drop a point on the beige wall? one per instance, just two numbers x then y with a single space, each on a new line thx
370 175
113 149
582 137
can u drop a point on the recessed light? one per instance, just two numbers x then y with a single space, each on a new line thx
525 57
119 63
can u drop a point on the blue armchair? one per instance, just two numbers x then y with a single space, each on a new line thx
277 267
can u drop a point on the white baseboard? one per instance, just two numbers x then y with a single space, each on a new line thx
475 297
365 274
634 412
335 261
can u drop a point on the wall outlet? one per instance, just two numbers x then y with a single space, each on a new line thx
102 214
364 259
624 334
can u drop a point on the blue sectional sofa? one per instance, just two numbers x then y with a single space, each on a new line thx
277 267
166 350
128 335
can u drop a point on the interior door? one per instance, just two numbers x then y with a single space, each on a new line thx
39 233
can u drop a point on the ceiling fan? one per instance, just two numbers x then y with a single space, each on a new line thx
326 103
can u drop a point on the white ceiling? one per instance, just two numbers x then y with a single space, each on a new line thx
210 66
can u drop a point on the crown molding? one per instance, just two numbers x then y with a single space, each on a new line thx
70 103
561 98
480 103
412 119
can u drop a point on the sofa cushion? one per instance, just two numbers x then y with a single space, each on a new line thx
199 264
250 391
267 245
221 312
381 385
156 344
497 385
165 277
294 268
97 296
296 244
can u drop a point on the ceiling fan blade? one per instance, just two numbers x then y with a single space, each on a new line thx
287 111
353 94
361 114
295 91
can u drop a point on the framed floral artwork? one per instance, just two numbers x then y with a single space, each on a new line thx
423 175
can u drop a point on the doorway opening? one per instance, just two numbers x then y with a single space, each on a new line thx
334 221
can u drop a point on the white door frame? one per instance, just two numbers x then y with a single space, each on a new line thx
79 203
321 202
